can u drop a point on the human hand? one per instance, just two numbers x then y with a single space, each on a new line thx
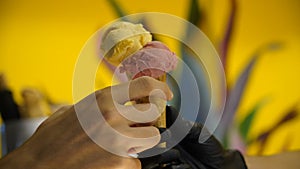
61 142
207 149
189 153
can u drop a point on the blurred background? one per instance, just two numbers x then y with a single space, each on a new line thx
258 43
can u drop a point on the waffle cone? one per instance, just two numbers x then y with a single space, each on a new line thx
161 122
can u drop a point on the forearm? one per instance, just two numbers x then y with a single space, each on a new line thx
280 161
21 158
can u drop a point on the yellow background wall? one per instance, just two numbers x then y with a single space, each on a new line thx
41 39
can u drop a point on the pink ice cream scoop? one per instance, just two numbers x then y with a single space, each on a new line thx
154 60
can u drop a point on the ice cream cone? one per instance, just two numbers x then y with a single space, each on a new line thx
131 46
161 104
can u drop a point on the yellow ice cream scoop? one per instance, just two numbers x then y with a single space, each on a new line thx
121 39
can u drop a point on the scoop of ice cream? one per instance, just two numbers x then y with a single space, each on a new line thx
121 39
154 59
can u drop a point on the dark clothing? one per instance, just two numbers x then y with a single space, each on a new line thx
8 107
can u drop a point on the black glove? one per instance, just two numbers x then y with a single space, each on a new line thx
190 154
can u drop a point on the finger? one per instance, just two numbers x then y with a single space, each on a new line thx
125 140
144 112
147 86
139 113
142 138
159 103
139 88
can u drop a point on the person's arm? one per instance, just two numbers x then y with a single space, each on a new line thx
290 160
62 142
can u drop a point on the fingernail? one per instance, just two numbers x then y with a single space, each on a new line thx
133 155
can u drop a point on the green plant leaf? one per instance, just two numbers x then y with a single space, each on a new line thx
117 8
246 123
264 137
194 15
234 99
236 93
228 33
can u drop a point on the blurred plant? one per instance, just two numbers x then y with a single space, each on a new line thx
228 34
235 93
263 138
245 125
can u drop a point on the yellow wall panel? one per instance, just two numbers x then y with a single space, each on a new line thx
41 40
